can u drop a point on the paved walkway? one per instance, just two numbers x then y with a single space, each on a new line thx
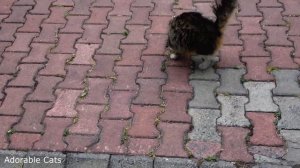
91 76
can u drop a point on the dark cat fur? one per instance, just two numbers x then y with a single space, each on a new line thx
192 34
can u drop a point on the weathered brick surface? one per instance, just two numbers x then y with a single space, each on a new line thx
23 141
131 55
257 69
149 92
110 44
6 122
52 138
8 30
32 23
57 15
74 24
18 14
116 24
91 34
38 53
277 36
264 131
202 150
75 77
282 57
231 81
21 44
172 138
81 7
150 69
78 143
55 65
33 116
143 124
126 77
141 146
272 16
3 81
48 33
230 57
287 82
234 144
177 80
254 45
25 76
65 44
84 54
42 7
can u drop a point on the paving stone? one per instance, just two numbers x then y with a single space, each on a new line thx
221 163
13 101
130 162
111 137
75 77
271 165
231 81
205 9
91 34
204 94
230 36
98 15
6 124
143 122
162 162
84 54
5 6
44 88
251 25
265 159
254 45
119 105
80 143
26 75
277 36
103 67
292 138
110 44
248 8
163 8
121 8
3 81
139 15
18 14
172 138
184 5
141 146
289 108
282 57
257 69
296 41
230 57
264 129
233 111
287 82
202 150
294 22
156 44
103 3
52 139
136 34
22 42
272 152
55 65
260 97
142 3
74 24
131 55
149 92
63 3
159 24
88 116
87 160
66 43
150 69
176 107
269 3
97 91
290 7
81 7
32 117
48 33
116 25
23 141
57 14
32 23
272 16
177 80
65 103
8 30
208 74
48 160
204 122
4 154
234 145
38 53
42 7
3 46
126 76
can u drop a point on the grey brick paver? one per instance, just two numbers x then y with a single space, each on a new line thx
204 96
233 111
231 81
292 138
204 122
287 82
87 160
174 163
290 112
260 97
130 162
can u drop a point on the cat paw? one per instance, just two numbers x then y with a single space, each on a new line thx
173 56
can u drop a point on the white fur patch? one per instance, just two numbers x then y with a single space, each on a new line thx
173 56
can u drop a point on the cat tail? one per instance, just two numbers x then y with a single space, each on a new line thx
223 11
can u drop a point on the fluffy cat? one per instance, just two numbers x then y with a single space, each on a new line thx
193 36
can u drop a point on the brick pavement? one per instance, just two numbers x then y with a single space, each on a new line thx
91 76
